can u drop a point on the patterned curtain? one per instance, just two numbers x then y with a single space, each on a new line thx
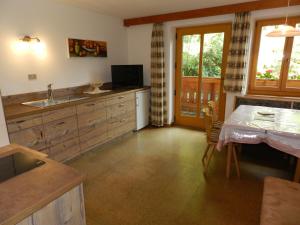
158 92
238 52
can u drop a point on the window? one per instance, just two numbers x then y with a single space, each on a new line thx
275 68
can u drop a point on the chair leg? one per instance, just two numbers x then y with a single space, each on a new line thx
236 162
213 147
205 154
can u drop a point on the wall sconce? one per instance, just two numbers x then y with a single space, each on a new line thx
27 38
28 44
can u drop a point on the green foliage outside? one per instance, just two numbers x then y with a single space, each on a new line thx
212 56
272 72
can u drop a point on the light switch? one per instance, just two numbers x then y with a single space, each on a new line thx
32 76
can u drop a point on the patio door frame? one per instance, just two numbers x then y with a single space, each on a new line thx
198 122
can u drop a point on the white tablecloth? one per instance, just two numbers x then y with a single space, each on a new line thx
280 129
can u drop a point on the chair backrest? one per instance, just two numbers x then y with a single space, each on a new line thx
212 125
208 122
213 110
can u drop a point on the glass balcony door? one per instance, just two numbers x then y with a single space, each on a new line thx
201 55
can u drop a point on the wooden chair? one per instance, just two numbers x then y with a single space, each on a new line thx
212 128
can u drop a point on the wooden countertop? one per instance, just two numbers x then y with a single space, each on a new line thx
19 110
25 194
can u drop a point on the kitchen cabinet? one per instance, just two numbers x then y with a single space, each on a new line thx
32 137
67 209
27 131
60 130
121 115
67 131
92 125
24 122
65 150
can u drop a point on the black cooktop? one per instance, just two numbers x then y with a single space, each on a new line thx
16 164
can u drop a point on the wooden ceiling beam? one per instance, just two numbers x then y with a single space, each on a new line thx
213 11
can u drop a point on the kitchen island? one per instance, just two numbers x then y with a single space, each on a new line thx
48 194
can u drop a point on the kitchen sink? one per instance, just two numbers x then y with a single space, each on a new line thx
16 164
51 102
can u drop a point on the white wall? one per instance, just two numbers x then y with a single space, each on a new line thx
53 23
139 39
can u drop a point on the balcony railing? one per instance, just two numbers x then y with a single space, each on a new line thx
210 91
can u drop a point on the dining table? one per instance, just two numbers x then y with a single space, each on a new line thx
248 124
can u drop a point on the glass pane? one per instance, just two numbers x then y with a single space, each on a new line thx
294 69
269 58
190 74
211 70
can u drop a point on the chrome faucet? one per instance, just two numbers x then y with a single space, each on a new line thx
50 92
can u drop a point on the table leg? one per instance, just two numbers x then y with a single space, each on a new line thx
229 155
297 172
236 161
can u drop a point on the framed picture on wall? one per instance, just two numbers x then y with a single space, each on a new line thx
86 48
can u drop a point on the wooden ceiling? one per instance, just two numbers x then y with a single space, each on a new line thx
213 11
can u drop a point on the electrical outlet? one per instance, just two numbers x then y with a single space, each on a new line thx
32 76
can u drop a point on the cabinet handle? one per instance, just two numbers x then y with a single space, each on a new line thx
42 134
61 123
120 97
121 105
21 121
91 104
123 120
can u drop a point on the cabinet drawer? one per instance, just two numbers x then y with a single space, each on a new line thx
65 150
24 122
32 137
93 138
89 121
116 110
123 128
91 106
61 130
120 98
120 121
58 114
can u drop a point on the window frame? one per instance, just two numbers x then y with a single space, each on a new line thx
282 89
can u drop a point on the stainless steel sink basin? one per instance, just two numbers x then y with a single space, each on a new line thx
46 102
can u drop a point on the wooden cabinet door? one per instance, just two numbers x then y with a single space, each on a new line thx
91 106
96 137
121 108
120 98
87 122
27 221
61 130
58 114
24 123
66 210
120 125
32 137
64 151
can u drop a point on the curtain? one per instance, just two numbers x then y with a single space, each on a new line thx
158 92
238 52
